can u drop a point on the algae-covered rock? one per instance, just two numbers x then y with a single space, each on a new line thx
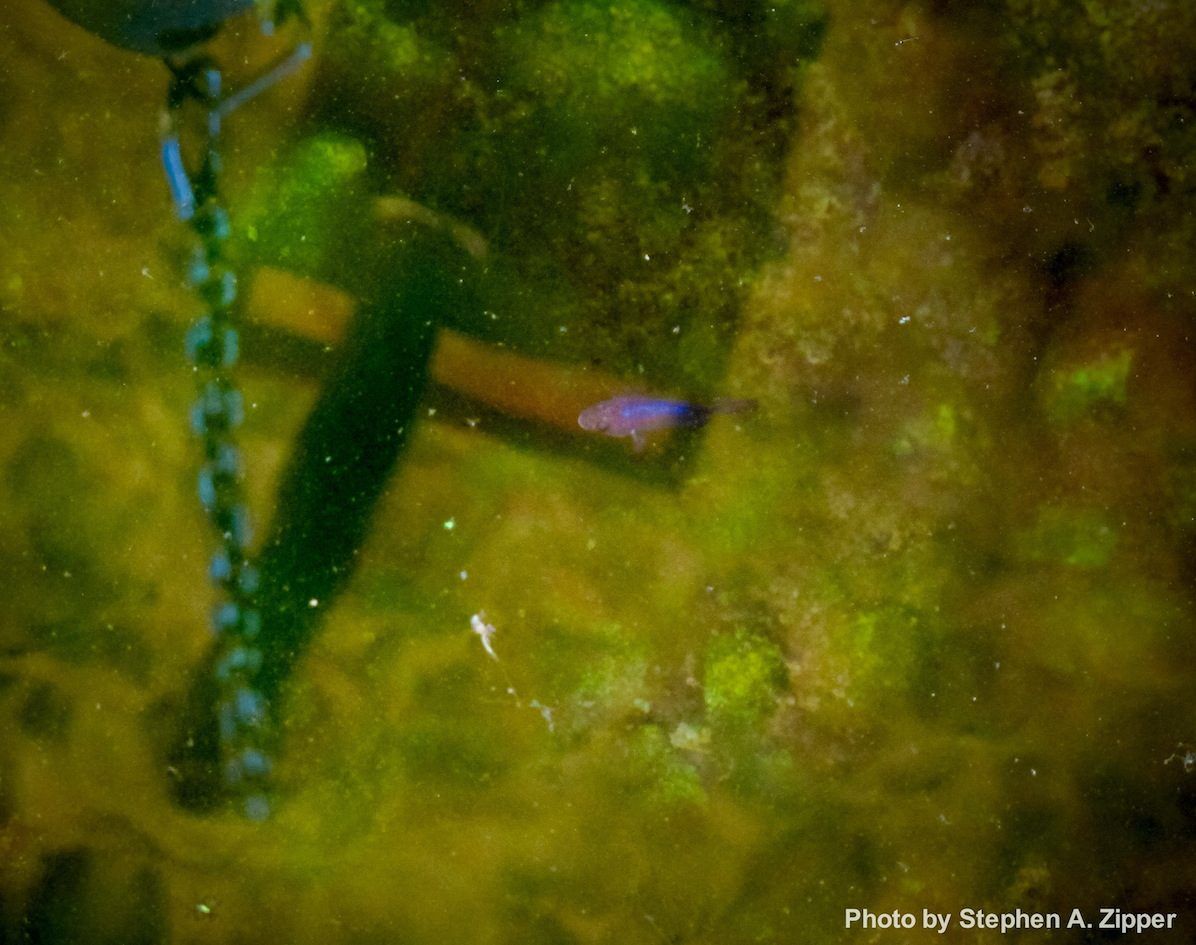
381 50
1181 489
630 77
668 776
878 652
1111 142
613 683
744 676
1080 538
1079 390
308 207
617 156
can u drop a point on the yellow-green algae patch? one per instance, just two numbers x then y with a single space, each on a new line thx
1082 538
744 675
309 205
899 636
1079 390
370 42
668 777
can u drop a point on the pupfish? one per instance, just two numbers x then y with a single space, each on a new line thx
633 415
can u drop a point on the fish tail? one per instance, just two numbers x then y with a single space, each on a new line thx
732 405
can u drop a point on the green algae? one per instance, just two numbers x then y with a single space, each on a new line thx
937 431
1181 487
45 715
1080 538
898 639
632 76
1078 391
371 43
743 678
308 206
670 779
446 754
613 683
882 656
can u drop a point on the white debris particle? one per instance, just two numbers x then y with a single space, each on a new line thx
485 631
545 713
688 738
1185 756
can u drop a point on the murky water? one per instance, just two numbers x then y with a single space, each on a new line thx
915 634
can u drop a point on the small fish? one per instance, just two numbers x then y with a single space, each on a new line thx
633 415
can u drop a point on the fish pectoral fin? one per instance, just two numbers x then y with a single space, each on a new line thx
637 441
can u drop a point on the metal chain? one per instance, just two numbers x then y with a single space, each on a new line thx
242 711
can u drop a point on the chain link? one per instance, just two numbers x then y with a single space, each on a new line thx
242 712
